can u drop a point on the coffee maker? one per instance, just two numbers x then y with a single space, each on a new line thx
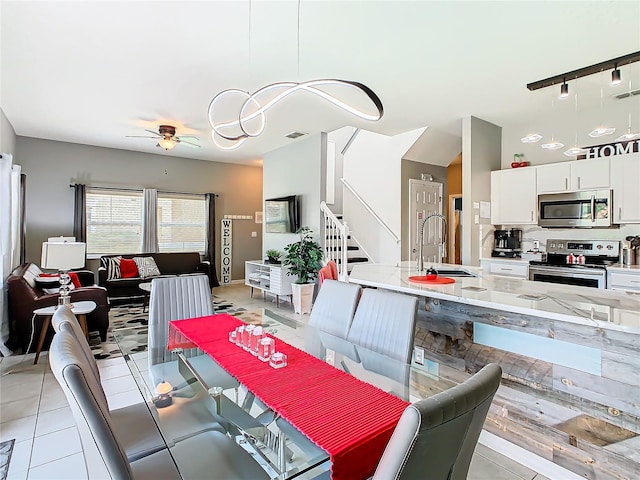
507 243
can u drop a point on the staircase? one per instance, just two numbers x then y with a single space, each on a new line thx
338 244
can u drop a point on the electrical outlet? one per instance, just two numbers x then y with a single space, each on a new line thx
418 354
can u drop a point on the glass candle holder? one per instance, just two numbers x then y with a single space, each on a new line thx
266 348
232 336
256 335
239 335
246 336
278 360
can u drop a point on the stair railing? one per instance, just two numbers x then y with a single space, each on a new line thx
336 234
370 210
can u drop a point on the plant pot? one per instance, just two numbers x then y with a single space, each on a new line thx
302 294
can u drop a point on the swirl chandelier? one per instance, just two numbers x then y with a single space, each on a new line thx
231 133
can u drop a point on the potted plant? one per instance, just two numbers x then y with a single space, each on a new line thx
303 259
273 255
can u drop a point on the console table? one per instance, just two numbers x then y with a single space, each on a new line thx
270 278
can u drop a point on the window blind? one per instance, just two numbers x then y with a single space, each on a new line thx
182 221
114 221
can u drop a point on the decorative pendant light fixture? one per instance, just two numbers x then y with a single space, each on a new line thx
575 150
626 137
553 144
601 131
234 132
531 138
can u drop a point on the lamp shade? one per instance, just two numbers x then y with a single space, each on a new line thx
63 256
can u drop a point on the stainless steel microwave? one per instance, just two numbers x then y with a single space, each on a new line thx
586 209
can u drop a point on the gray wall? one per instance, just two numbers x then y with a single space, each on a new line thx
409 170
481 148
297 169
7 137
51 166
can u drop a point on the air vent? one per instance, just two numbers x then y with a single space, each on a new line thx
630 93
295 134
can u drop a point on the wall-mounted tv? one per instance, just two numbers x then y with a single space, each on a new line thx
282 215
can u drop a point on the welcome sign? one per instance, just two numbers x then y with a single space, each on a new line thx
225 245
611 149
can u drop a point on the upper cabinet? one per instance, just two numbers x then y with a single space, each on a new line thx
573 176
625 179
513 197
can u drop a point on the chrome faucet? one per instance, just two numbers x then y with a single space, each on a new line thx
444 238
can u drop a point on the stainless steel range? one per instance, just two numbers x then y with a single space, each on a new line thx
576 262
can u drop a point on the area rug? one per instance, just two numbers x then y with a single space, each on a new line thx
6 449
132 315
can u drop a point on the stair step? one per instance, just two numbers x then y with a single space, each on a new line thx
338 236
353 260
339 249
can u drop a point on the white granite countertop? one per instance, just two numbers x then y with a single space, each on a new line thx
583 305
624 268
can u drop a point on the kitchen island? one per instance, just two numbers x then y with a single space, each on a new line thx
570 357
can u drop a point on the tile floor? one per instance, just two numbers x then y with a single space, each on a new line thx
34 411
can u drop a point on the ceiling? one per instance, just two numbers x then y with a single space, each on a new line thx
94 72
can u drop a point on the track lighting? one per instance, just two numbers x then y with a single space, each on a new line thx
615 75
564 89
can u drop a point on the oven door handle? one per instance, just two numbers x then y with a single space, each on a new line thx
560 272
593 208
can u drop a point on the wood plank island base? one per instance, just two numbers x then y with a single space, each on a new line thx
570 356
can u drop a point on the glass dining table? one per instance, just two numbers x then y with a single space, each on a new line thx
194 405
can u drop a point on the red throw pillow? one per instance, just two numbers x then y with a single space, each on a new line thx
74 279
128 268
49 275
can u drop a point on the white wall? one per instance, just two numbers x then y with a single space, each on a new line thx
297 169
51 166
7 137
373 166
481 143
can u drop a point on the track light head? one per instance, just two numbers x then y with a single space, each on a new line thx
564 89
616 78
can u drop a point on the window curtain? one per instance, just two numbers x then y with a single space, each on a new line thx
10 235
211 239
80 213
150 220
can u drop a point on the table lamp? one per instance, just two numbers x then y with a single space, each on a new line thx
63 256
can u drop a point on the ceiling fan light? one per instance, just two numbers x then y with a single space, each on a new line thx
552 145
616 78
167 143
601 132
531 138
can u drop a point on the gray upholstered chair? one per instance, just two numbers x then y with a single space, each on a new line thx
435 437
103 452
332 315
385 322
178 298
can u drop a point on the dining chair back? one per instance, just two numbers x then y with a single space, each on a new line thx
385 322
439 434
328 272
174 298
334 307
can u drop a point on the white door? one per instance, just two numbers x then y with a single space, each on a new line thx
425 198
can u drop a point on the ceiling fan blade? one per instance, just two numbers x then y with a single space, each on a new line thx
192 145
140 136
151 131
189 137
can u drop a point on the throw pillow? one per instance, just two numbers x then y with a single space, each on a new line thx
75 281
128 268
112 264
147 267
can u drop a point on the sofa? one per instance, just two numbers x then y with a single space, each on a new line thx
26 294
169 264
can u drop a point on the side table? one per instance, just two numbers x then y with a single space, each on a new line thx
146 290
79 309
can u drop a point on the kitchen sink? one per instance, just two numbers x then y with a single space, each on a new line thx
449 272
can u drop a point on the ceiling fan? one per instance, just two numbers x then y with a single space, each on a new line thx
167 138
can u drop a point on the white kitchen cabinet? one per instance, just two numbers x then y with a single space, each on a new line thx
625 181
506 267
624 279
573 176
514 199
271 279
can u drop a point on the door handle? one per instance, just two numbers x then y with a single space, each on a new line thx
578 183
593 205
619 213
532 215
566 184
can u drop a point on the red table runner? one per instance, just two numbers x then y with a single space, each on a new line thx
351 420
